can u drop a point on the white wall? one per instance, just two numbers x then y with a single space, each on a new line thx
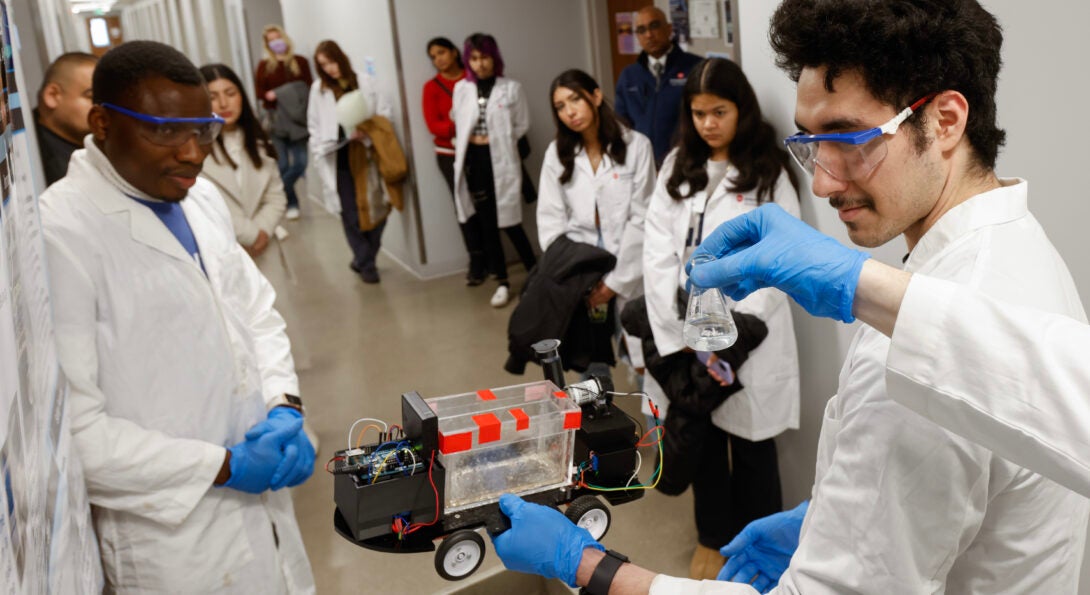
538 40
1040 107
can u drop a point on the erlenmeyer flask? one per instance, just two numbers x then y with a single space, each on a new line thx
709 325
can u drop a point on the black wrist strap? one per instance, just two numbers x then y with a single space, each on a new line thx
603 573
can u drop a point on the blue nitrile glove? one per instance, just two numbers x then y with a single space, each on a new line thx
256 462
759 555
767 247
298 463
541 540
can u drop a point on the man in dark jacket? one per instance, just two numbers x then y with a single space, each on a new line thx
649 91
64 100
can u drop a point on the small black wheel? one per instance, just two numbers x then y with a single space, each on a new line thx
589 513
459 555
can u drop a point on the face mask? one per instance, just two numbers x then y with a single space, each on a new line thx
278 46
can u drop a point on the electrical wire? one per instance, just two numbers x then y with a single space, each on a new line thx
655 477
352 430
413 527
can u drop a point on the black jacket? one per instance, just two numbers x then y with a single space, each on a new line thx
552 305
692 392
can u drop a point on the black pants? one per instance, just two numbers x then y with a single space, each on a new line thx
471 230
365 245
730 492
479 179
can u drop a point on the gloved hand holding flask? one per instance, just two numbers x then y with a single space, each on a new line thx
767 247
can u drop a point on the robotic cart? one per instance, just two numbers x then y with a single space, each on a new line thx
442 474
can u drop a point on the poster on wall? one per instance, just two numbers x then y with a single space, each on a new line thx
679 17
627 44
46 539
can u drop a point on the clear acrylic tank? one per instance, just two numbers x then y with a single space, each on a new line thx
516 439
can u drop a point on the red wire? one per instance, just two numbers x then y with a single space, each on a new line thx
334 459
414 527
644 437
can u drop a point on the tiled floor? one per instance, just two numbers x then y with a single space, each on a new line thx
359 347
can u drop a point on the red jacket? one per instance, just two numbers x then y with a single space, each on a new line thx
438 99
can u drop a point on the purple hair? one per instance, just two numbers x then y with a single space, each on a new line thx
486 45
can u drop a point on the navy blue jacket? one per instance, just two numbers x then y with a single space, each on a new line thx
653 110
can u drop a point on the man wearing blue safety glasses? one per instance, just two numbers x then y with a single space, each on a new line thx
182 382
896 114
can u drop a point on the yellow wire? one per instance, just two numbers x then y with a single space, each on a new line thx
382 465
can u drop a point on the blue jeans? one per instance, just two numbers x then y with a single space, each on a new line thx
291 158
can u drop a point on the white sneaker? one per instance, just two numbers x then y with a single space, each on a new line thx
500 298
292 214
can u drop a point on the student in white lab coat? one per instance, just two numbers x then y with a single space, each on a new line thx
898 118
951 346
180 372
335 78
490 115
727 162
595 183
242 164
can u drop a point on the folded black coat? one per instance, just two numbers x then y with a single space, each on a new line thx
552 305
692 392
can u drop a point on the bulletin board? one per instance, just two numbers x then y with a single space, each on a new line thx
47 542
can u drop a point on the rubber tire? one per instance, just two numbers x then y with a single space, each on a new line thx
447 547
587 504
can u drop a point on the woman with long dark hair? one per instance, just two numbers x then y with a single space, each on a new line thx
243 163
490 114
727 161
596 181
331 153
438 98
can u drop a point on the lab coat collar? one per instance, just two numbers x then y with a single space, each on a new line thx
112 195
582 161
1001 205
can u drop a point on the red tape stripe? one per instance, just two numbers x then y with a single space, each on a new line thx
488 427
455 442
522 421
486 395
560 394
573 420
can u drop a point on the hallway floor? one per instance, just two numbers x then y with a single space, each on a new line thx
358 347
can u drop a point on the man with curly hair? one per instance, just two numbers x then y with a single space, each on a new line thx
896 114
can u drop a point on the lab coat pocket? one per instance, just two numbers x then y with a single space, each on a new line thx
614 200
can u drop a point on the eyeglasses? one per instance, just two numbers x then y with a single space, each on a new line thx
174 132
652 26
848 156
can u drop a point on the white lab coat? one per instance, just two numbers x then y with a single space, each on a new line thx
508 118
325 132
617 193
1013 379
166 368
901 505
769 403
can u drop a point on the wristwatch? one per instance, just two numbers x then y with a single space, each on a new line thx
604 573
291 401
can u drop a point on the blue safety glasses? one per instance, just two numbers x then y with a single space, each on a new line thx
848 156
174 132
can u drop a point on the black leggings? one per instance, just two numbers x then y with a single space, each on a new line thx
482 188
729 492
471 229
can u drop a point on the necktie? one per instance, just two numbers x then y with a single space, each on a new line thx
657 69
